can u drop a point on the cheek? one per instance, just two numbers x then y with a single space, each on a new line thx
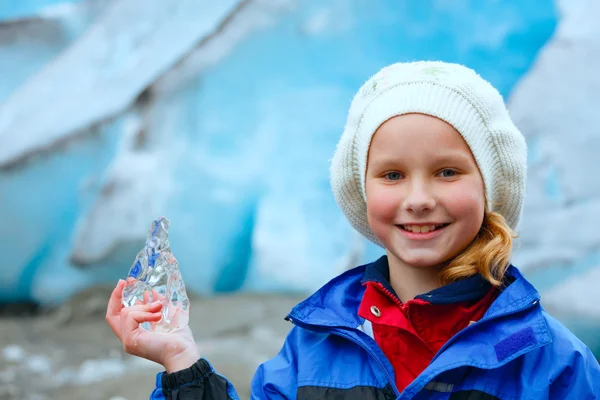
468 205
381 205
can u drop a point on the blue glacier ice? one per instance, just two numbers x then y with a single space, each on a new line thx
230 131
555 104
244 120
29 40
11 10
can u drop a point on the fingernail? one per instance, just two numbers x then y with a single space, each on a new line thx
120 280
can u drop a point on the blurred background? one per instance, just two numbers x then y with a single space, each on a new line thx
223 116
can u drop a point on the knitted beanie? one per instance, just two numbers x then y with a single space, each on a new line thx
452 93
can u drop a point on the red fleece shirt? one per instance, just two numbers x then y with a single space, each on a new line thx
411 333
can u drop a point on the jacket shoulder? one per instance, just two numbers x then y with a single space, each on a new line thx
564 344
574 371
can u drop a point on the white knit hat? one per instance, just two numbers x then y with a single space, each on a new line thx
452 93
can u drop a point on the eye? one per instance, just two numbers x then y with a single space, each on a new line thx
393 176
448 173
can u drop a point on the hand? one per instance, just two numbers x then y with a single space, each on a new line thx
175 351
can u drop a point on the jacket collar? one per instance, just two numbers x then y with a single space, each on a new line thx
485 344
336 303
469 289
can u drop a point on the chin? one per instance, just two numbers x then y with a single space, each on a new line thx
421 261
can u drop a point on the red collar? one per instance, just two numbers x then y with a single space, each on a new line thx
411 333
432 323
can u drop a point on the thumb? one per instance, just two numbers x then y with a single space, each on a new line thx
113 310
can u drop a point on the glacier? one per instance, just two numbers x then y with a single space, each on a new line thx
120 54
226 126
555 105
228 134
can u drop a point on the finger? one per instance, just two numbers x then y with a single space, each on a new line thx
123 316
146 298
114 303
151 296
157 296
132 336
115 306
134 318
150 307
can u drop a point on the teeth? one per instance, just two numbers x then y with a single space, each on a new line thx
421 228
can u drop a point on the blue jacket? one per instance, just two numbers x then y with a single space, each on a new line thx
516 351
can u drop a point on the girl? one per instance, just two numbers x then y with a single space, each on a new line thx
430 167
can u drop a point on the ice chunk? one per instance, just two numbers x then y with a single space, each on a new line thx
156 276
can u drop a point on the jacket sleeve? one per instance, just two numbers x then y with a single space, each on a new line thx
200 381
278 377
579 379
275 379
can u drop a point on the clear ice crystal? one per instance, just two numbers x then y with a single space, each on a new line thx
156 276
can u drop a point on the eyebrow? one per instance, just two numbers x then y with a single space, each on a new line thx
442 158
453 157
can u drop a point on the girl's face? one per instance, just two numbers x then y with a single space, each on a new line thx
425 195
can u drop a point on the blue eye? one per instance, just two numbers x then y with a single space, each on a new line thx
393 176
448 173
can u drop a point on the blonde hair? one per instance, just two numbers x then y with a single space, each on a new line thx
488 254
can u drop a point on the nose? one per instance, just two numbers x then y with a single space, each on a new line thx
419 198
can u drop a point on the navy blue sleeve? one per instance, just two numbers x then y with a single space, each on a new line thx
274 379
199 382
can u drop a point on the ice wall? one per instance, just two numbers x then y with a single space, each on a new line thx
556 106
124 51
226 127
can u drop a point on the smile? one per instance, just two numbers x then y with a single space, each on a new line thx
422 228
422 232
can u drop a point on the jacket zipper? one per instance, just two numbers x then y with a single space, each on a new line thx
340 332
